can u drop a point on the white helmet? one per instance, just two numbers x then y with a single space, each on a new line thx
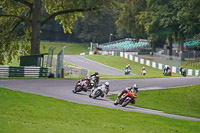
135 86
107 84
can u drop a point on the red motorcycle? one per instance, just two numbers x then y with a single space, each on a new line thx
125 99
81 85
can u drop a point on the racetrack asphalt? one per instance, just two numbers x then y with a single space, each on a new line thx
62 89
92 65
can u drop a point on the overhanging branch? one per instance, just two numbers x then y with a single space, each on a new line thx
11 31
15 16
64 12
30 5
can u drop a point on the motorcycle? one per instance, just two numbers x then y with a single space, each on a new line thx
183 73
143 72
125 99
127 71
98 91
167 73
81 85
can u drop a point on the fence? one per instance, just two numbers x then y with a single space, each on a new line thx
165 59
153 63
158 65
71 72
36 72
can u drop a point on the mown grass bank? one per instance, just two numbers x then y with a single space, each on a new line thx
23 112
71 49
181 101
120 63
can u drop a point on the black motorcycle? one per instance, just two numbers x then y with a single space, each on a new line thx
183 73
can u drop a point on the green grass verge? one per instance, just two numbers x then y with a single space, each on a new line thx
120 63
23 112
181 101
72 48
192 64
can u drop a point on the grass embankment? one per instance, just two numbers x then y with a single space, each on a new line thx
71 49
23 112
182 101
120 63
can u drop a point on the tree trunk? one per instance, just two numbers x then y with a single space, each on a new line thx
181 44
170 44
181 41
153 46
35 36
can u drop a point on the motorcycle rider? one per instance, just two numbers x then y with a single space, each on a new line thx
106 85
165 70
183 71
103 86
84 84
96 74
128 68
133 89
143 71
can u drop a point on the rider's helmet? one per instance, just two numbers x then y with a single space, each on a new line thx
107 84
135 86
96 73
143 67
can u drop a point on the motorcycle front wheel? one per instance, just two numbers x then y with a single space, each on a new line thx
97 94
77 89
116 102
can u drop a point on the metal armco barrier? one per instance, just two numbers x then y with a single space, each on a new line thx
12 71
152 63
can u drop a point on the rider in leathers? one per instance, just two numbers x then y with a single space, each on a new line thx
134 88
96 74
106 86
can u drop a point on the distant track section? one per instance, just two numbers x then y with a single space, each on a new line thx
92 65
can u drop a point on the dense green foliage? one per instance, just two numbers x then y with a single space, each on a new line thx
161 20
181 101
19 21
23 112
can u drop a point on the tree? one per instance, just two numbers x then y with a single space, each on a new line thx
127 19
158 20
93 28
161 20
22 20
188 17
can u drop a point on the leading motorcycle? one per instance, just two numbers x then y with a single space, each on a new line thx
125 99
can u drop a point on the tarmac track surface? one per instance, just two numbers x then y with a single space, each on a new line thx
92 65
62 89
